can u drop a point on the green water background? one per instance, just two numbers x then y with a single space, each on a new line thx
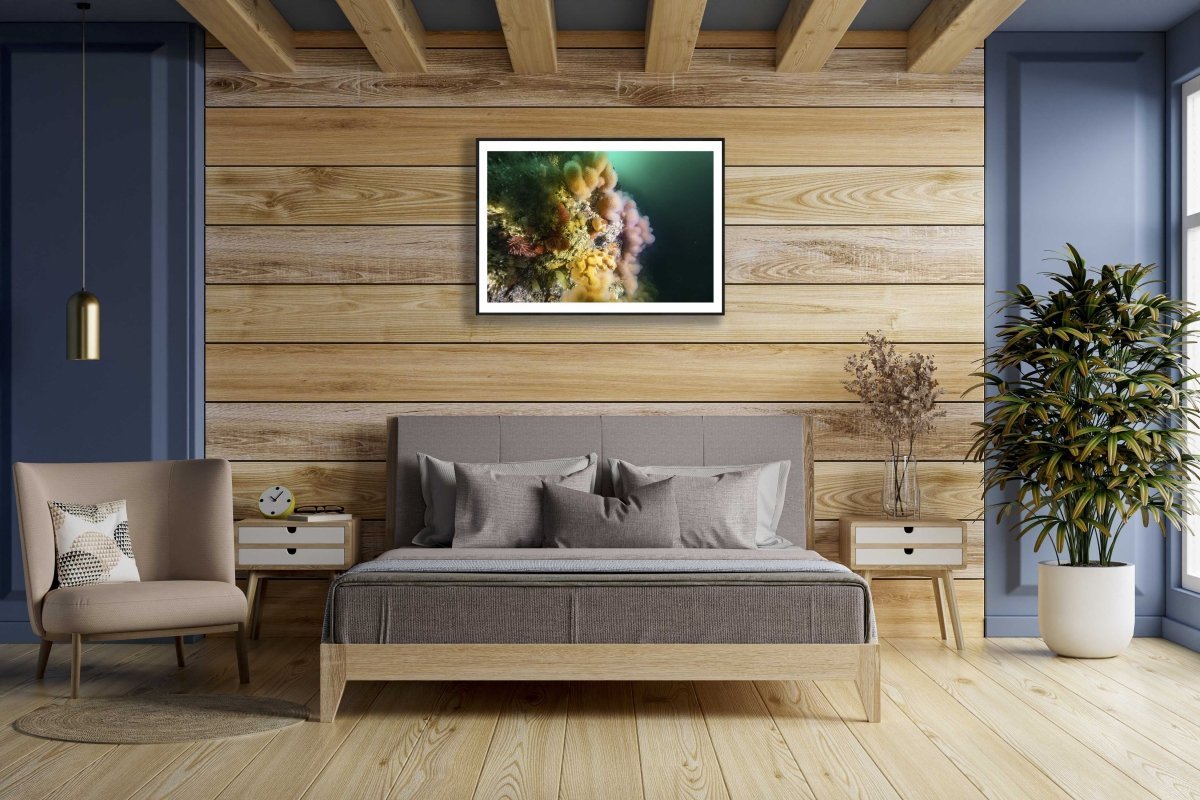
673 189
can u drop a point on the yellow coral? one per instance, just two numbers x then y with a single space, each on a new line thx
592 273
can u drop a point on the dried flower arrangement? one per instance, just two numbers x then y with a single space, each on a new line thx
898 392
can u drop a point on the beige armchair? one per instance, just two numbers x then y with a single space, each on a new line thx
181 524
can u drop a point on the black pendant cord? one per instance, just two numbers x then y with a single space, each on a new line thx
83 9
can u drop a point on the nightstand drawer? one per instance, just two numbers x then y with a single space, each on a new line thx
907 534
289 535
908 556
291 557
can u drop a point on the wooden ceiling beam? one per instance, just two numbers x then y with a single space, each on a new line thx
671 30
948 30
530 35
391 30
253 30
809 32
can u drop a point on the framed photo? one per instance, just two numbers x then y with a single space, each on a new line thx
600 226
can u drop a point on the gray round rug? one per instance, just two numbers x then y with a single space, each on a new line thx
160 718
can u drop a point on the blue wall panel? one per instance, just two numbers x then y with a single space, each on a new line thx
144 398
1074 154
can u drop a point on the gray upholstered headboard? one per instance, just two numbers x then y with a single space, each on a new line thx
662 440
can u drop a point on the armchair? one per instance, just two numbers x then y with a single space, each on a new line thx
181 524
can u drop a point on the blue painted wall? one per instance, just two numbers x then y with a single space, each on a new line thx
144 398
1074 152
1182 620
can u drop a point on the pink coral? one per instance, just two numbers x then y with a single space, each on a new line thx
637 236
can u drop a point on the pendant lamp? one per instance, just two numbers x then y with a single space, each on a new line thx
83 307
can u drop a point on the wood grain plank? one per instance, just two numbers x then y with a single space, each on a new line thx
525 757
291 195
754 757
677 756
446 136
591 78
948 489
253 31
1155 767
832 760
904 607
854 195
450 752
323 254
589 39
754 254
948 30
853 254
391 30
530 34
600 753
358 431
617 372
446 314
810 30
672 27
1073 766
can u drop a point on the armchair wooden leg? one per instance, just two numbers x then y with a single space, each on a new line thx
43 657
76 662
179 658
243 661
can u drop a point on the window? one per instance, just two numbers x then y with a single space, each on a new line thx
1191 285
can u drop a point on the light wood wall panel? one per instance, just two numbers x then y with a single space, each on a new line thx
780 254
340 245
446 195
592 79
367 314
337 431
549 373
446 136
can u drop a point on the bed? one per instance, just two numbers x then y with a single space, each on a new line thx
599 614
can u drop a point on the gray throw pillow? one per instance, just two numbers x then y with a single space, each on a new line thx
647 517
498 510
714 511
772 491
438 489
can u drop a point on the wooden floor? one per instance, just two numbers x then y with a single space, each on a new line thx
1005 719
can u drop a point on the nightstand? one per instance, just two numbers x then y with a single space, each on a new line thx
277 548
930 548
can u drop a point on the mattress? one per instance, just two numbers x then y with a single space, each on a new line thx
558 596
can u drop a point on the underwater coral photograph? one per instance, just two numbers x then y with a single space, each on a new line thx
614 226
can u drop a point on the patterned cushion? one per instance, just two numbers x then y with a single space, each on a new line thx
93 543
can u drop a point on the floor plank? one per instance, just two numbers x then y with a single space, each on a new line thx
754 757
1073 766
600 754
525 756
832 760
677 755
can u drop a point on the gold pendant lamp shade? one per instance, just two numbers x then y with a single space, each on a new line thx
83 307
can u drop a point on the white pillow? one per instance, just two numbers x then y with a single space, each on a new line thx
772 488
93 543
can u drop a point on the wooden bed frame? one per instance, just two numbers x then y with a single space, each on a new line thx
593 662
599 662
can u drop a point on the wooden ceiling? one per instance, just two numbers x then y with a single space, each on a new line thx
255 32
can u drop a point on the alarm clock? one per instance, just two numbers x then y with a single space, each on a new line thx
276 502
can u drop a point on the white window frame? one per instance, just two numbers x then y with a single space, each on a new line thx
1190 202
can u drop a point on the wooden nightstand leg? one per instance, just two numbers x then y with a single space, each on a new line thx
937 599
252 589
258 607
952 600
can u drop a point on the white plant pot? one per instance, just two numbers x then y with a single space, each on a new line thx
1086 612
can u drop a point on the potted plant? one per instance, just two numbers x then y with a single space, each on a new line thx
1087 422
898 394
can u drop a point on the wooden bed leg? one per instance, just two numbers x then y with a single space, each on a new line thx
333 679
869 688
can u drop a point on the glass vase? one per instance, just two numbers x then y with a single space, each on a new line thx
901 488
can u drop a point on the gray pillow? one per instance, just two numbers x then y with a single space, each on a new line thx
498 510
437 489
648 517
714 511
772 491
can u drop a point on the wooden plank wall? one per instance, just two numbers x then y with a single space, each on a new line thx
339 264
